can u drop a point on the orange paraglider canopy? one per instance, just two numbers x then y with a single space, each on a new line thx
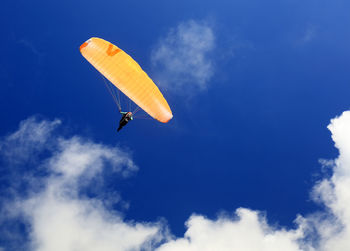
126 74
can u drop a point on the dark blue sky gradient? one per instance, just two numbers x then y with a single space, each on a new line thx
252 139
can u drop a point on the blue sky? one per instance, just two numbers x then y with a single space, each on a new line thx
252 85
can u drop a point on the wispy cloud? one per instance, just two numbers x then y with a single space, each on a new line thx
183 59
28 140
306 35
30 46
309 34
60 216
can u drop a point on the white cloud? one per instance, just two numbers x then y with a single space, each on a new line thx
249 232
324 231
182 60
59 216
61 222
62 218
334 192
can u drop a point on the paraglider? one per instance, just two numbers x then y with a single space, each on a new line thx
127 116
127 76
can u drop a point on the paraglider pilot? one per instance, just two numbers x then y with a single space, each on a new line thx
127 116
